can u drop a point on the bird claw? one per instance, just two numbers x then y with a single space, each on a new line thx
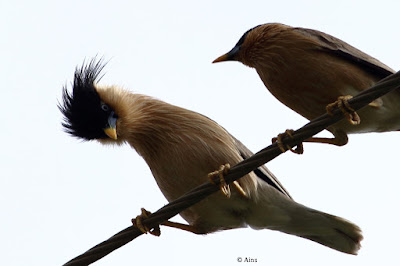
223 170
284 147
344 106
138 223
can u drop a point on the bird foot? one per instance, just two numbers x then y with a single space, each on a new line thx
344 106
138 222
221 172
284 147
225 189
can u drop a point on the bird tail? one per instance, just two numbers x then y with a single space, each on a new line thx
326 229
275 211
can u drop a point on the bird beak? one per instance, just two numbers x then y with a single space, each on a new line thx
111 129
229 56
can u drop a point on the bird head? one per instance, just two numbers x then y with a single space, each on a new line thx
86 116
253 45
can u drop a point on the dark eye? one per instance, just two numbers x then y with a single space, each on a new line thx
105 107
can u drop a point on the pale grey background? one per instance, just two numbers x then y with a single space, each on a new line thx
60 196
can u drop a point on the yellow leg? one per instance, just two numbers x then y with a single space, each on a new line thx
225 189
284 147
223 170
184 227
340 139
240 189
138 222
344 106
334 141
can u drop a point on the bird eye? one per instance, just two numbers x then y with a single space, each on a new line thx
105 107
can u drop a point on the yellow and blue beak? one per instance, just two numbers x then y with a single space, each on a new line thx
111 129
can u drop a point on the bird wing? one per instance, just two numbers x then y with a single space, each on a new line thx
348 52
262 172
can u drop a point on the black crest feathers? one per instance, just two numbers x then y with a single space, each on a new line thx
82 108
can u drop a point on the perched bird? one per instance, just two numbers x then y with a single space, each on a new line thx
307 70
181 147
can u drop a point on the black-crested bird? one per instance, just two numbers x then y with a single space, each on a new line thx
181 148
307 70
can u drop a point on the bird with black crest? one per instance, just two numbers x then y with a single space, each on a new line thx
182 147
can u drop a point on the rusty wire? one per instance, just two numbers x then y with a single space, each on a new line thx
265 155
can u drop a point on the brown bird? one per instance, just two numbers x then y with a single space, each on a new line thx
181 148
307 70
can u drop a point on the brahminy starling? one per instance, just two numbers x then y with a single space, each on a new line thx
307 70
182 147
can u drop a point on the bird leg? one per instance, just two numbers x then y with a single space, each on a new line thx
338 140
240 189
344 106
284 147
220 173
138 222
223 170
184 227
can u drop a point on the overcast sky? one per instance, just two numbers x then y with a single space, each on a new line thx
60 196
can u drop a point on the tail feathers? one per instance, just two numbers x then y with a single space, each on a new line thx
273 211
330 231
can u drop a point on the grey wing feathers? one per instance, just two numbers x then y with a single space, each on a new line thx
261 172
348 52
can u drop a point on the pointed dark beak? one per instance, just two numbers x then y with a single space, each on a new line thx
229 56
